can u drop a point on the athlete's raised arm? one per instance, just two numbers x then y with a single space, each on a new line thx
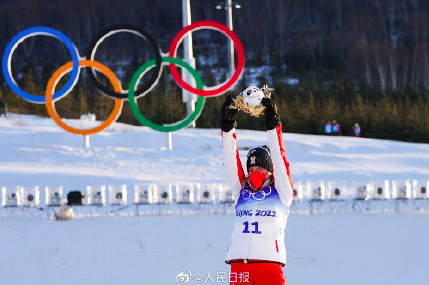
231 160
281 172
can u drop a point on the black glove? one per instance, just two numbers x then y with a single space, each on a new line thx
272 118
228 114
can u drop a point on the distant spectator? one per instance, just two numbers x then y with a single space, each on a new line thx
328 128
339 129
336 128
356 130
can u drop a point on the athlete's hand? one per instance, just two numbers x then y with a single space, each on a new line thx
272 117
228 113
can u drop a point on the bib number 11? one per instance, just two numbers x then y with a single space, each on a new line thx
246 228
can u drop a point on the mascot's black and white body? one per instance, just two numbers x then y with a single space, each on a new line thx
253 95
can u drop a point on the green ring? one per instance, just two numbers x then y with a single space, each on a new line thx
170 127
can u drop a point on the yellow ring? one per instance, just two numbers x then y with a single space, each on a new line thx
53 81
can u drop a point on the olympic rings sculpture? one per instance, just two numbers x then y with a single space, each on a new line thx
118 94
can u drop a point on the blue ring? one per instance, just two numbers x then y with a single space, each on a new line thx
34 31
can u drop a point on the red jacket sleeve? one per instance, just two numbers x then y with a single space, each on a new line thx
281 171
231 163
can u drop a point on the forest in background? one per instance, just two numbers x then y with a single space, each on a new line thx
364 61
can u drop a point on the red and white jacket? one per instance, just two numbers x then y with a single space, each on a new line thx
260 219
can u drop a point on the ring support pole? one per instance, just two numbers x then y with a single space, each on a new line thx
86 142
169 141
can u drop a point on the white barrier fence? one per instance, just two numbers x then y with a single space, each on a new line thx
310 197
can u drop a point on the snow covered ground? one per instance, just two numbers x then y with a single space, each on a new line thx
341 248
35 151
334 249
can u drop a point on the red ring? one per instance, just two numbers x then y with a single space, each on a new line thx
215 26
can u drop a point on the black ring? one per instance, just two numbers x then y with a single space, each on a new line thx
137 31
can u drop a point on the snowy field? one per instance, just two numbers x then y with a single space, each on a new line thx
35 151
338 249
342 248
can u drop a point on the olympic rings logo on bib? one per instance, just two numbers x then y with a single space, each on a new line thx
118 94
260 195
